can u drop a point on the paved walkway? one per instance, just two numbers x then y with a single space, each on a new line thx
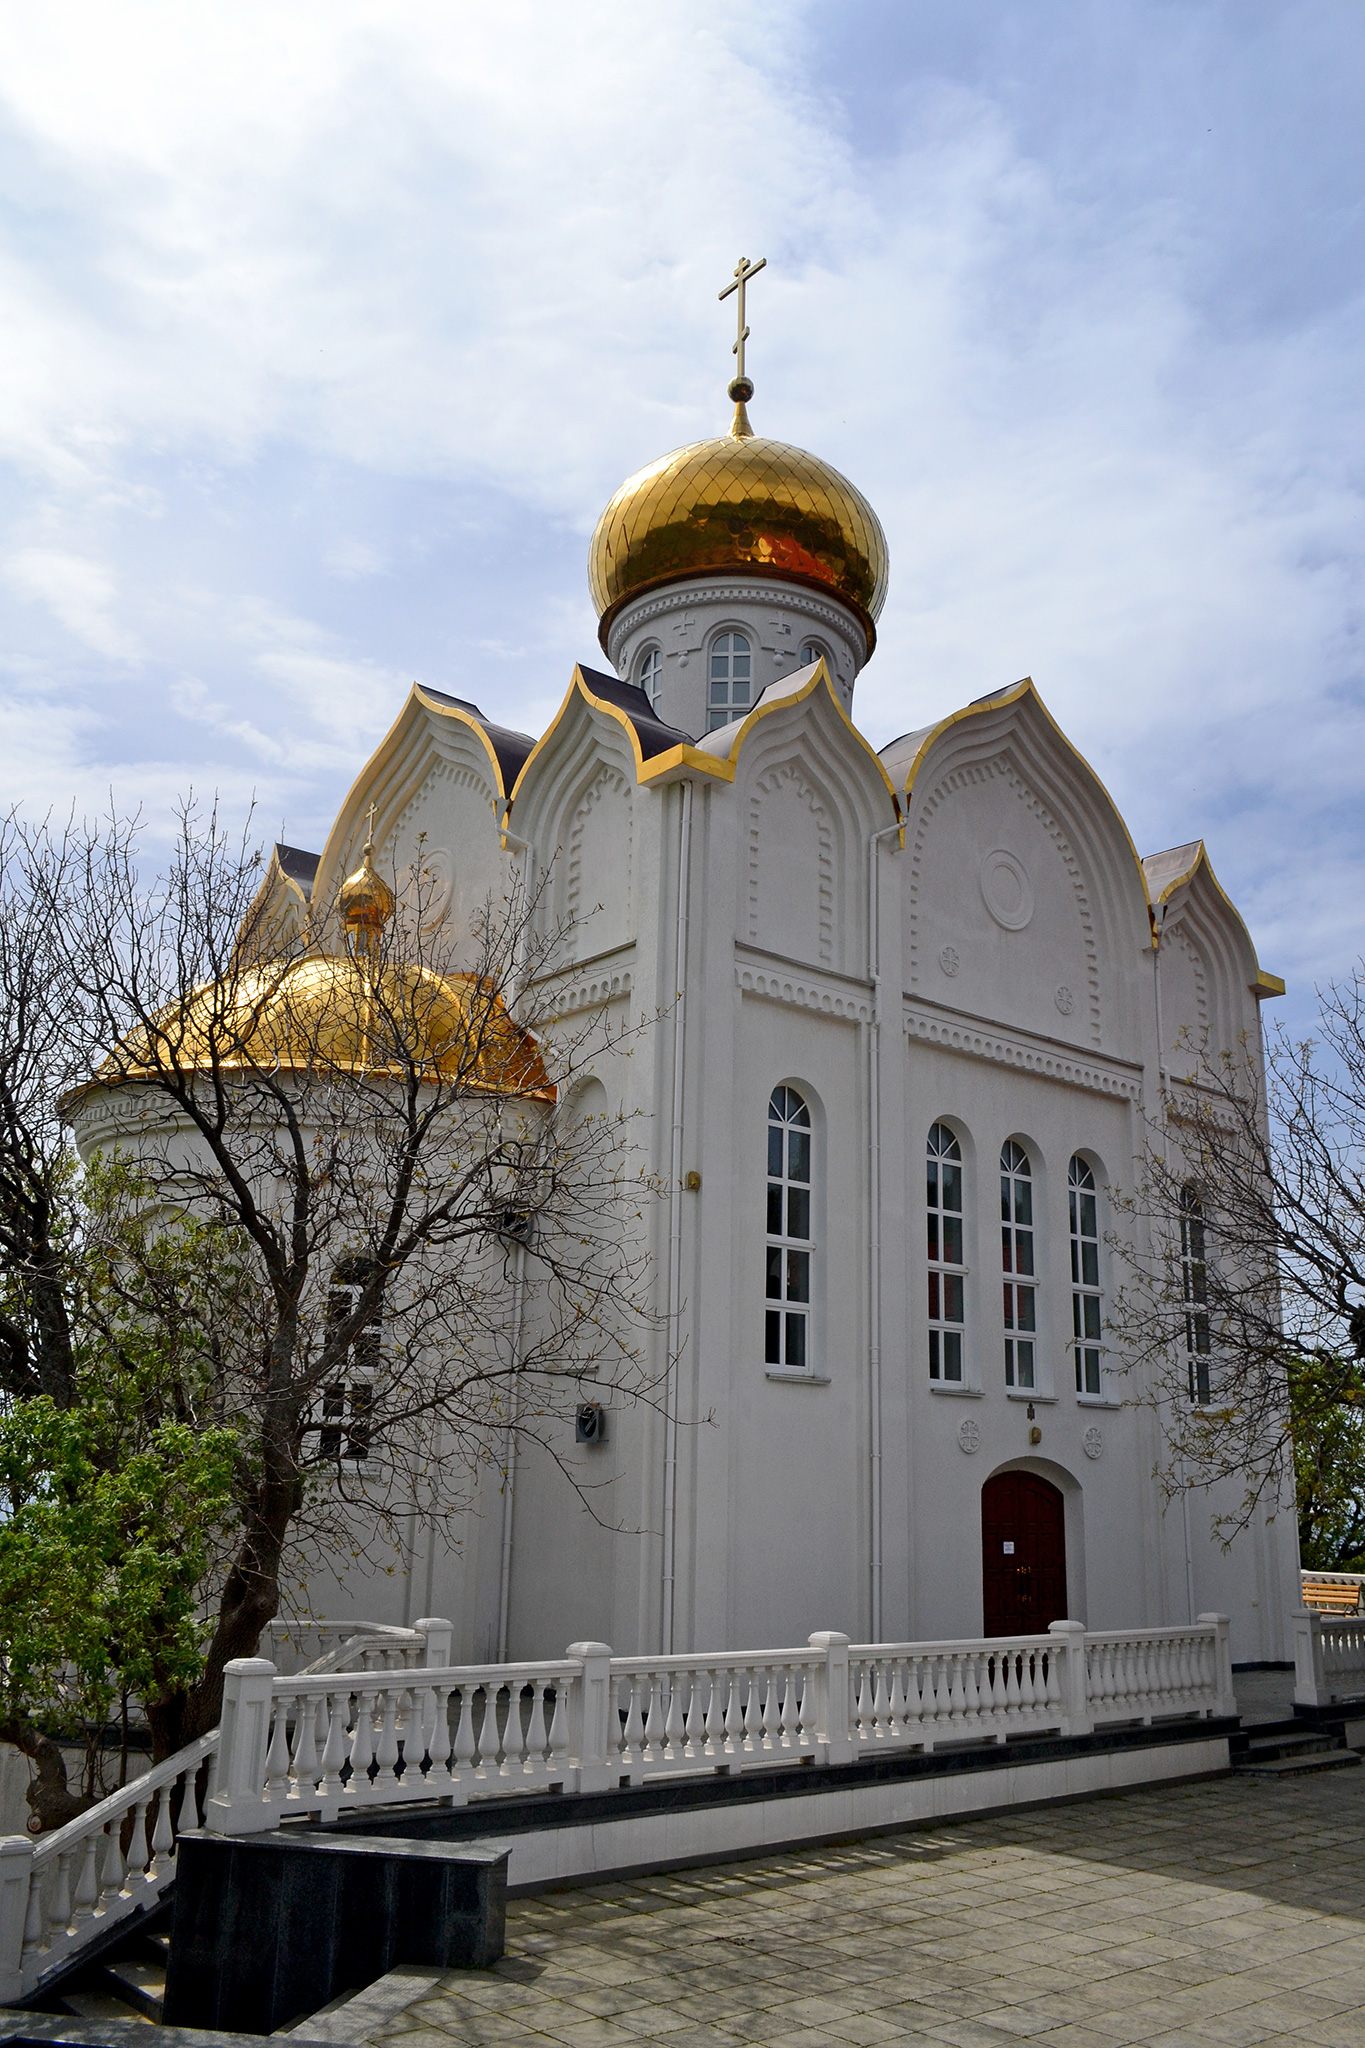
1221 1914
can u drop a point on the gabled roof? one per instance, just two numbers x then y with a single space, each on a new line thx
1166 871
510 749
1178 865
654 736
300 867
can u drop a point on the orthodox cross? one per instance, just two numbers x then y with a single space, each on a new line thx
744 270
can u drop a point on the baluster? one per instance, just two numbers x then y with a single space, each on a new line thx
337 1748
111 1874
163 1837
137 1847
59 1911
362 1746
957 1698
772 1709
654 1720
635 1725
863 1713
753 1710
895 1705
1185 1672
277 1757
1028 1690
734 1712
695 1725
1166 1669
715 1715
971 1687
1053 1701
465 1749
1131 1696
673 1726
914 1697
559 1730
1012 1693
438 1737
386 1748
791 1715
878 1699
35 1919
535 1731
303 1764
87 1884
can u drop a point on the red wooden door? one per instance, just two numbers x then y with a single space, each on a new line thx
1023 1545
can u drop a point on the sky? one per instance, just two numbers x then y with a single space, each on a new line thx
330 328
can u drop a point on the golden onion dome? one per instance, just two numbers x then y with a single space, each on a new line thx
739 502
329 1013
365 899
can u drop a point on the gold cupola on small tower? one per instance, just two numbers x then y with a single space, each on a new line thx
365 900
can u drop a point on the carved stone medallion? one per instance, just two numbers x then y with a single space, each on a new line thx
1065 1001
1006 889
1093 1443
949 961
969 1436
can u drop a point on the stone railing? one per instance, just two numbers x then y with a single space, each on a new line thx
1329 1659
391 1730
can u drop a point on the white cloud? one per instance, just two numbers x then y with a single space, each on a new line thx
78 592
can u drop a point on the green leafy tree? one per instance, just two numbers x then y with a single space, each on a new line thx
1327 1415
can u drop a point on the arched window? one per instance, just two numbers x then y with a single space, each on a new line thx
348 1399
1085 1275
1194 1277
1016 1259
811 651
731 679
791 1247
651 674
947 1268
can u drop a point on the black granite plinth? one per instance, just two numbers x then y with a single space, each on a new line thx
267 1928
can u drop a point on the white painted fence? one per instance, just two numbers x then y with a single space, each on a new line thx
1329 1659
393 1730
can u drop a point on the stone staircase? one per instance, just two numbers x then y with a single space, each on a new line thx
127 1983
1290 1749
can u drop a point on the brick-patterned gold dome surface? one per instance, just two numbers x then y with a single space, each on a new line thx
731 504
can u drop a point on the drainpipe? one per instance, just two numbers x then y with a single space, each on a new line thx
509 1456
1163 1081
874 1221
675 1172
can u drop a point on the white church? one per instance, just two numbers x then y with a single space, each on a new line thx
915 1005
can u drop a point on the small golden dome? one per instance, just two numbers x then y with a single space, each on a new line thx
739 502
365 899
328 1013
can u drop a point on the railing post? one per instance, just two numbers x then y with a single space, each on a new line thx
438 1634
238 1804
591 1713
16 1875
1222 1650
1310 1680
831 1697
1077 1718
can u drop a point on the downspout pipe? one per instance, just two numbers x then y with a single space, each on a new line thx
509 1455
1163 1082
675 1217
874 1224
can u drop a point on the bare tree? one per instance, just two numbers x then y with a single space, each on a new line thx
1249 1254
376 1146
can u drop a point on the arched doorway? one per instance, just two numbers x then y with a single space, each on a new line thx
1023 1554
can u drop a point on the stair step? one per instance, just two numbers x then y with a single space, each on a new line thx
162 1944
140 1981
101 2005
1288 1746
1298 1766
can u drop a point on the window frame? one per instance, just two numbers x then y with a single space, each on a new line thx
786 1314
1085 1293
1194 1269
818 652
946 1278
721 712
1019 1242
346 1403
649 672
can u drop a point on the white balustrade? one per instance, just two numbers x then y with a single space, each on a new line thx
403 1724
1329 1659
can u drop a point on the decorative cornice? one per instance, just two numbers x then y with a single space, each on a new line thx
683 596
1031 1054
805 987
560 995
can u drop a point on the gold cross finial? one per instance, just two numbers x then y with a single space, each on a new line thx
369 835
741 385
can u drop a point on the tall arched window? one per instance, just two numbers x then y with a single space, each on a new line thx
947 1267
651 674
1016 1259
1085 1275
731 679
1195 1288
811 651
791 1247
348 1400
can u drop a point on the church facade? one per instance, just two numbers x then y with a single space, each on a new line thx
913 1008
